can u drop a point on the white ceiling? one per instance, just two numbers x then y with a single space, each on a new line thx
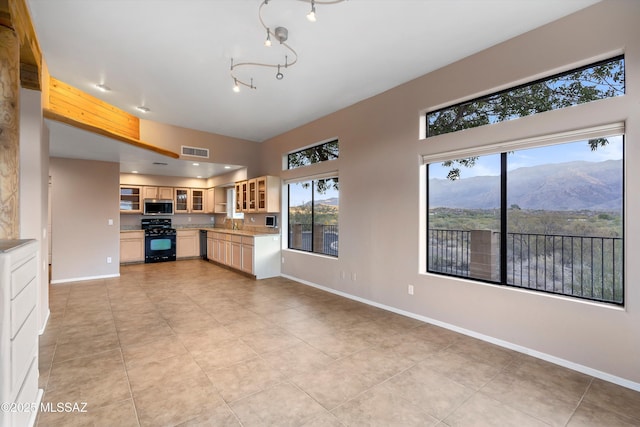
173 56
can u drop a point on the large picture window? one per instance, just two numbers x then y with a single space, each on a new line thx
546 218
313 216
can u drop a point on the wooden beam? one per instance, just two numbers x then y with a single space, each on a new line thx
75 104
30 53
53 115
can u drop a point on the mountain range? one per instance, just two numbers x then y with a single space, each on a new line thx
568 186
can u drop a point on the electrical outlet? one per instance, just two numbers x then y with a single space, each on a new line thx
354 277
343 275
188 219
410 289
108 260
110 222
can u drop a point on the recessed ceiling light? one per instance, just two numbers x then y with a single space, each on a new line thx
134 171
198 176
227 167
143 109
195 164
103 87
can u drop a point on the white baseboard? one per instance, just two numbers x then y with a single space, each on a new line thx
82 279
506 344
46 321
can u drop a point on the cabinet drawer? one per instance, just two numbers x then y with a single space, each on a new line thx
22 305
236 239
23 349
22 275
28 394
247 240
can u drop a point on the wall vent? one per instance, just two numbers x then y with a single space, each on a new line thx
195 152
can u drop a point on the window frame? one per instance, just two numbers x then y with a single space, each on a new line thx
312 181
609 130
428 135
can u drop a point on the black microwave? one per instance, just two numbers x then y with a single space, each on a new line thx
158 207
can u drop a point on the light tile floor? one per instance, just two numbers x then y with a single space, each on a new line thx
192 344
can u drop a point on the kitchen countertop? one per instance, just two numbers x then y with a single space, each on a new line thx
240 232
217 230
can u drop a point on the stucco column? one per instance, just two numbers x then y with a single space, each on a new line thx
9 132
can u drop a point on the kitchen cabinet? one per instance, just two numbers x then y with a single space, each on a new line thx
189 200
246 264
236 252
152 192
260 194
197 200
131 246
251 196
256 255
19 332
187 243
210 202
130 199
210 250
242 196
268 194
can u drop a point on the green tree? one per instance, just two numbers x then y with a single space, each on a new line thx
599 81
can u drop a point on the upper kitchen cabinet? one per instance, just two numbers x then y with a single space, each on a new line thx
241 196
260 194
165 193
130 199
216 200
268 194
189 200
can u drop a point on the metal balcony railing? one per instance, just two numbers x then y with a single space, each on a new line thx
318 238
581 266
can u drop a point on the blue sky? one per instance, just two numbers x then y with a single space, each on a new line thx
299 195
562 153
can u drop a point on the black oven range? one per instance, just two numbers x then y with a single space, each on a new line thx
159 240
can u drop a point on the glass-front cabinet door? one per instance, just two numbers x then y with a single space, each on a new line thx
251 194
181 200
197 200
261 192
130 199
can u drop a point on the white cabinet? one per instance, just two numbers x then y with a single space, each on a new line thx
187 243
18 331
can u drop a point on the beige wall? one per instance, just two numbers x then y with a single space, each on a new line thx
222 149
34 166
84 196
382 196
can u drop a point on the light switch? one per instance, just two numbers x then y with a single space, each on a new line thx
110 222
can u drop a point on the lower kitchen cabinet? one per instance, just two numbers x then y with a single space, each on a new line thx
187 243
131 246
256 255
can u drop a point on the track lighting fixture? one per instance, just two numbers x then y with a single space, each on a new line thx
267 42
281 34
311 16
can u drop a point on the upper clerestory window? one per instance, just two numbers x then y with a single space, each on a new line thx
604 79
316 154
